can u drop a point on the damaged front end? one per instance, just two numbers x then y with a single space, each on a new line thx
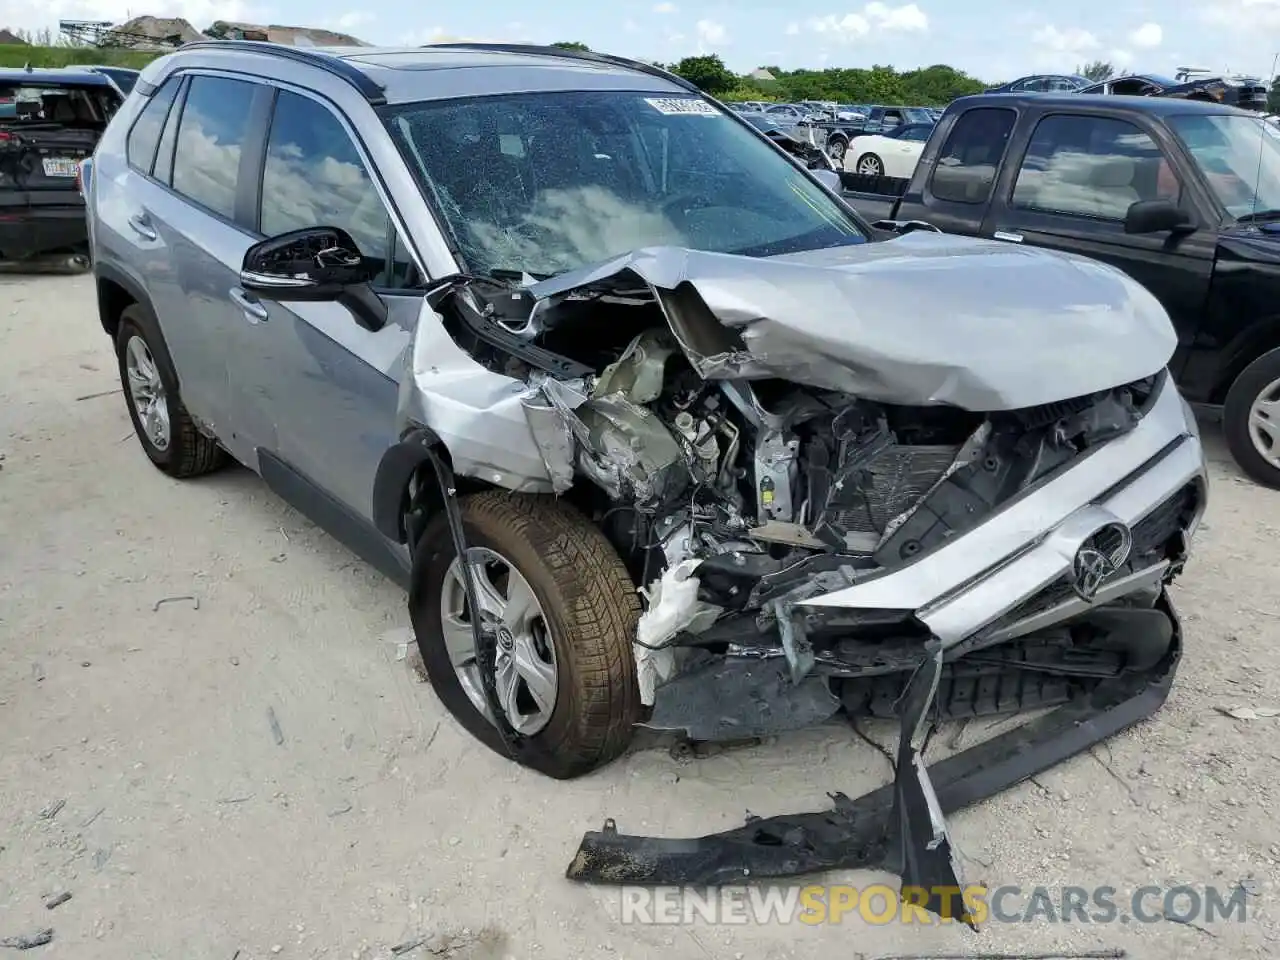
854 480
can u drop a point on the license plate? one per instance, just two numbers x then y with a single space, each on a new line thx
59 167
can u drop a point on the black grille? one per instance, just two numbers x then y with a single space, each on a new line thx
891 483
1033 418
1155 536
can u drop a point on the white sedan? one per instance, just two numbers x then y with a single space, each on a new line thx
892 154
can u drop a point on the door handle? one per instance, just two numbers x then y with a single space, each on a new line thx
253 309
1007 236
141 225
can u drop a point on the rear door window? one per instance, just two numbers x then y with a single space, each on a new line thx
966 167
211 136
145 135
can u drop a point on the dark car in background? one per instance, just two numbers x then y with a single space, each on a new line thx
50 120
1044 83
122 78
1248 93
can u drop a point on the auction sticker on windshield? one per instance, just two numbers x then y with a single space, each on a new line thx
682 106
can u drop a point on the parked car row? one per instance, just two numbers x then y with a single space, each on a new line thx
833 126
1248 93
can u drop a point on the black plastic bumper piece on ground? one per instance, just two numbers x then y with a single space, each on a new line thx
870 832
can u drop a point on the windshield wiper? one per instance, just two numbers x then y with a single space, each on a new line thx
1258 216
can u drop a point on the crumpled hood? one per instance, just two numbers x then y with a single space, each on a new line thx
922 319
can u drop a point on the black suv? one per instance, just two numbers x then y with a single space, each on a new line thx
50 120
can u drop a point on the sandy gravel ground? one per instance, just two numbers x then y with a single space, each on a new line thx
141 770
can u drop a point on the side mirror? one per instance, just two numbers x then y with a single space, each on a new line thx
314 265
1156 216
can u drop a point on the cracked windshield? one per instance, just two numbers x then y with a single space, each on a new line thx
543 183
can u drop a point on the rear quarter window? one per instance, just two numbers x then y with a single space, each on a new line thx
966 166
211 135
144 137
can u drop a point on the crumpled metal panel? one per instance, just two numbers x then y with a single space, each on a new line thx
923 319
489 422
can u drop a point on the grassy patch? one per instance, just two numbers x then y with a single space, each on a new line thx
19 56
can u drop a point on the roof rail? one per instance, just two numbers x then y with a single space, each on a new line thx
587 56
369 88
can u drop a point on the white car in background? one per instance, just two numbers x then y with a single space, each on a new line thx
892 154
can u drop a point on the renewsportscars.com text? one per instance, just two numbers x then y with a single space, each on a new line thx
879 904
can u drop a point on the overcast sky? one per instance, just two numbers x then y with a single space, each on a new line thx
993 39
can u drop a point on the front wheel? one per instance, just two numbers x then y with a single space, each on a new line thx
870 165
836 148
168 435
564 610
1251 419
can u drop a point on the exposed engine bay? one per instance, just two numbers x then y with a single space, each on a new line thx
831 498
732 500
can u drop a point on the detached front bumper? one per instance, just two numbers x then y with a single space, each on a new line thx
1048 558
863 833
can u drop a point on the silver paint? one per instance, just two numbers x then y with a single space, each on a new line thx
921 319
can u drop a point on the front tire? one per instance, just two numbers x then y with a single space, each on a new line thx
566 612
168 435
870 165
1251 419
836 148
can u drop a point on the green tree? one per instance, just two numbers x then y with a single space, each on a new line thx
572 45
707 73
1097 71
1273 97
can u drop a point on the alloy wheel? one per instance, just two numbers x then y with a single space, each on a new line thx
1264 423
525 672
147 393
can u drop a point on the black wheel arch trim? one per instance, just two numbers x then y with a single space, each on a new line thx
104 271
1258 339
391 482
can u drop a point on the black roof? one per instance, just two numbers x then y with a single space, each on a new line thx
51 77
1160 106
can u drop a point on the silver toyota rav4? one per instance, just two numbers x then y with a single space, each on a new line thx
653 428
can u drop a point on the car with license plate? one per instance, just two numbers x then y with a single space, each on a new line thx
50 121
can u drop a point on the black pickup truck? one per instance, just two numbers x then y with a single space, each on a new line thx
1182 195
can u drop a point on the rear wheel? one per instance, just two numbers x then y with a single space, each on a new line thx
870 165
168 435
564 610
836 148
1251 419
